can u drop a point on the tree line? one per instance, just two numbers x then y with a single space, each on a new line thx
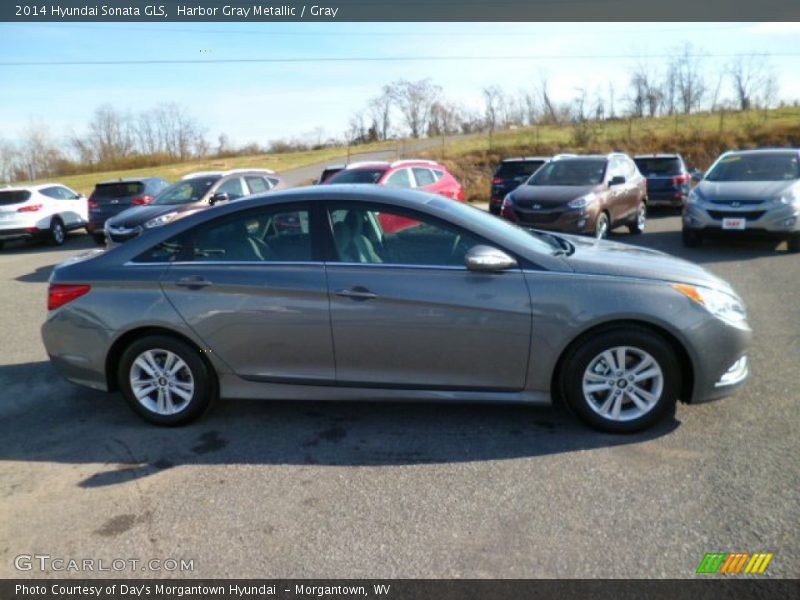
167 133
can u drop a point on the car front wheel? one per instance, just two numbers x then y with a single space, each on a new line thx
601 226
621 380
165 380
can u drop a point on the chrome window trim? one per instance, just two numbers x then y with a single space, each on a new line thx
283 263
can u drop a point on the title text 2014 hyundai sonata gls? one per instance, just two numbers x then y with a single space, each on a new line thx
304 295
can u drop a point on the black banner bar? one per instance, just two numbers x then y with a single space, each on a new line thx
398 10
294 589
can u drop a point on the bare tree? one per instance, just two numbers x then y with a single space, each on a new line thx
380 109
689 78
753 80
550 112
492 99
415 100
8 161
37 151
111 134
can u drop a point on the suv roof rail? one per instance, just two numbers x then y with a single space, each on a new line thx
252 170
564 155
366 163
410 161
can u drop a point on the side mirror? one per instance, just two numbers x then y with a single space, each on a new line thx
220 197
616 180
488 259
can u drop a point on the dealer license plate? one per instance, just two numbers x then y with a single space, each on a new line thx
734 223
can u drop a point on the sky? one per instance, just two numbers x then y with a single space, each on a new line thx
263 101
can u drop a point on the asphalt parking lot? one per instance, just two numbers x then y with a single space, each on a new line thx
269 489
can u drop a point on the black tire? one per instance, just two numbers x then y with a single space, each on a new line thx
581 356
792 244
2 244
602 226
100 240
691 237
205 385
639 221
57 234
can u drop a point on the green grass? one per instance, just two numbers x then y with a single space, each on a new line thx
85 182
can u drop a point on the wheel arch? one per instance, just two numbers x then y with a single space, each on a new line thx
682 354
126 339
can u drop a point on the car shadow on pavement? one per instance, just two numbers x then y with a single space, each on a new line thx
46 419
40 275
712 250
74 241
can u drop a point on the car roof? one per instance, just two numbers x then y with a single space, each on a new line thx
228 172
763 151
526 158
658 155
32 188
129 180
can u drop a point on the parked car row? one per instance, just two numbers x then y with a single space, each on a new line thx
750 192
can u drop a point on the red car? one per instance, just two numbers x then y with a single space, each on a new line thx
425 175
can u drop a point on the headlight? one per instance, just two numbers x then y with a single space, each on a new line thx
790 197
720 304
159 221
581 202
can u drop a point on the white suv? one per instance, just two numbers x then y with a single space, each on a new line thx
47 211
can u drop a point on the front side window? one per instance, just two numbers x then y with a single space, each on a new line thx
233 187
368 235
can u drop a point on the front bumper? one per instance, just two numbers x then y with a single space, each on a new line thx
768 220
567 220
119 235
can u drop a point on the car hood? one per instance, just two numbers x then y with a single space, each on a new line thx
602 257
139 215
549 195
742 190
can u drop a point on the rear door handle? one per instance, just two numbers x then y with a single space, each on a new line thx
357 293
194 282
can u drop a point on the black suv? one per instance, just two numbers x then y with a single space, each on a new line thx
667 179
509 174
110 198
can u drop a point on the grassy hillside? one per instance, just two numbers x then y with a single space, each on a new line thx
278 162
699 138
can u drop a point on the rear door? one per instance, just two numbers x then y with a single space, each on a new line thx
251 288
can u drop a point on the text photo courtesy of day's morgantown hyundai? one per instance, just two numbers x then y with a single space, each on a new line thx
322 301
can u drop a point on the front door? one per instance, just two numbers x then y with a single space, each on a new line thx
406 313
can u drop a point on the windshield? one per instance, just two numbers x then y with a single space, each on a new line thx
517 168
768 166
185 192
357 176
570 172
657 167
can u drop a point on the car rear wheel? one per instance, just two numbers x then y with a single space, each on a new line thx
165 380
601 226
691 238
100 240
639 223
57 234
792 244
621 380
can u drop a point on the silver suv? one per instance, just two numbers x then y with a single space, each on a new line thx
753 192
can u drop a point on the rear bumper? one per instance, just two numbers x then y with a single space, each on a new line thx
82 363
673 199
25 233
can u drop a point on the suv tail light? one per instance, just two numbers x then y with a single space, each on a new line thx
496 180
31 208
681 179
93 204
142 200
58 294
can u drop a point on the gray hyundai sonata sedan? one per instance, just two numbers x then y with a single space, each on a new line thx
367 293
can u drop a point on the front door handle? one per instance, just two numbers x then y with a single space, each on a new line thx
194 282
357 293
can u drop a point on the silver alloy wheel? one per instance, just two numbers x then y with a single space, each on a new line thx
601 229
161 381
623 383
57 229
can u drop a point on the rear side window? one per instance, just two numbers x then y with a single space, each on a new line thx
518 168
104 191
423 176
257 185
655 167
14 197
232 187
166 251
399 179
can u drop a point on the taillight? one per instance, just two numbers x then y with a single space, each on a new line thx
142 200
93 204
680 179
31 208
507 210
460 195
497 180
58 294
